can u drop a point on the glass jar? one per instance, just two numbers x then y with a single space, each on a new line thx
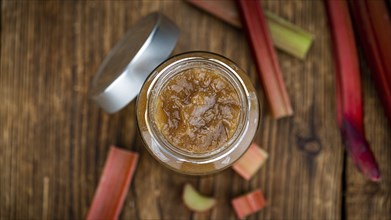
189 162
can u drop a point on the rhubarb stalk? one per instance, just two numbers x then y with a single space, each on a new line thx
113 185
196 201
265 58
289 37
248 204
348 84
250 162
285 35
373 24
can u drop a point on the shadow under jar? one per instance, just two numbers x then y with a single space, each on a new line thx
197 113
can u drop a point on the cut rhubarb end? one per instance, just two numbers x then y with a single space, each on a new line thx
265 58
359 150
248 204
250 162
195 201
113 185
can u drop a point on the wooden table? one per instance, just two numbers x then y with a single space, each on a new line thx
54 140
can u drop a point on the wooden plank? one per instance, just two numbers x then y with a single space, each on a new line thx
54 140
306 153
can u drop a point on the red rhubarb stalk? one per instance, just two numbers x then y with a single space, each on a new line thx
265 57
248 204
348 84
373 24
223 9
113 185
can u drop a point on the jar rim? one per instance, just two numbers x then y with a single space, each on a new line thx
191 63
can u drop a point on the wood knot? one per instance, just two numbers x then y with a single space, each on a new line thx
310 145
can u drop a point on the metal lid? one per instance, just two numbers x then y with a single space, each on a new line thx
120 77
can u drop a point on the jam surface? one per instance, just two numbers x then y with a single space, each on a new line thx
197 110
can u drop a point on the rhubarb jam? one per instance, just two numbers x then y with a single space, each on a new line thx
197 110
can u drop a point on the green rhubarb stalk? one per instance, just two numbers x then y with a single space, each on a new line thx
285 35
288 37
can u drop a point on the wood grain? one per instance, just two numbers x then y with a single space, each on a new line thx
54 139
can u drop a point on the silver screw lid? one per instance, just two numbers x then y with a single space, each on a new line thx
121 75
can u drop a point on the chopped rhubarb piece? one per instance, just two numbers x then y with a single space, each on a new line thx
195 201
250 162
248 204
348 85
113 185
265 58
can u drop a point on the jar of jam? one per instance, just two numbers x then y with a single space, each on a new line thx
197 112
